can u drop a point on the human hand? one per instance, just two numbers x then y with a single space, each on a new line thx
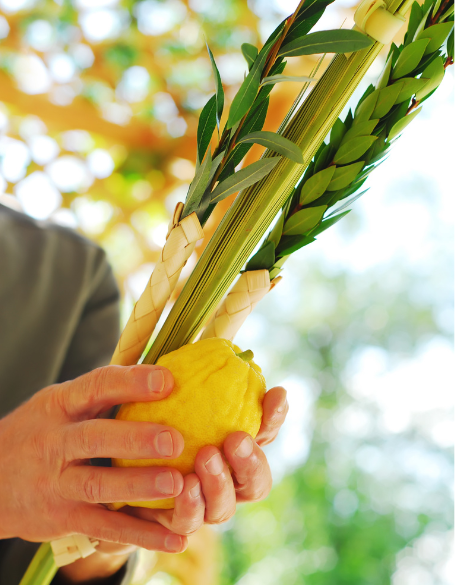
250 480
48 488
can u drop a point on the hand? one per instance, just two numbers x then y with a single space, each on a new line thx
49 490
251 479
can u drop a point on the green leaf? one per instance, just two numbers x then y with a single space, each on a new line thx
302 221
329 222
273 79
415 18
401 124
316 185
344 176
303 27
361 129
409 58
336 135
244 178
215 164
246 95
264 259
326 41
275 142
250 53
219 88
435 74
348 203
448 12
198 186
437 35
323 157
290 244
366 108
436 6
450 45
206 126
353 149
385 75
275 235
386 100
423 22
409 88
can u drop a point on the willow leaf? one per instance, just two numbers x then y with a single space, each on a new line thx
244 178
264 259
361 129
316 185
343 176
347 203
206 126
273 79
198 186
219 88
326 41
250 52
275 142
435 73
436 34
409 58
302 221
448 12
401 124
387 98
353 149
329 222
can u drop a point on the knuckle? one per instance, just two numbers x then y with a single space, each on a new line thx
94 385
85 438
91 488
222 516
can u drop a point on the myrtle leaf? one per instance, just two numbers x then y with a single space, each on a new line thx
275 235
361 129
409 58
415 18
366 108
244 178
336 135
385 75
450 45
323 157
401 124
326 41
198 186
275 142
244 98
206 126
409 88
343 176
435 74
290 244
386 100
250 53
273 79
264 258
302 221
423 22
316 185
353 149
219 89
329 222
436 34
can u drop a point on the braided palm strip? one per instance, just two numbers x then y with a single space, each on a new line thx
180 242
249 289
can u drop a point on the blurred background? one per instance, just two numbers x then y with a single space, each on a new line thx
99 102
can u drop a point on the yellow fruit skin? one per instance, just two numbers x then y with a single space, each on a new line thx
215 393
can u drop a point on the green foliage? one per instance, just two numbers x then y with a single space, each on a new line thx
206 126
326 41
353 150
274 142
219 88
409 58
250 52
316 185
263 259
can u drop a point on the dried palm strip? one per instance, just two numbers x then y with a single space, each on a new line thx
250 288
180 242
255 208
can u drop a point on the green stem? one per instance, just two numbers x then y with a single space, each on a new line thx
42 569
246 355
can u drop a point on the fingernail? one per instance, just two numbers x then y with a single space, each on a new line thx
165 444
245 448
196 491
156 381
165 482
173 542
215 465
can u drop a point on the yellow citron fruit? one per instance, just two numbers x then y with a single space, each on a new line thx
215 393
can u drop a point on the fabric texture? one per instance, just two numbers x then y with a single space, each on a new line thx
59 318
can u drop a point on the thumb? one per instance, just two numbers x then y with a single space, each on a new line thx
89 395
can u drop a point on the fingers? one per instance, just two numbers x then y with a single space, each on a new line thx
275 407
122 440
217 485
95 392
102 524
114 484
253 479
188 514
